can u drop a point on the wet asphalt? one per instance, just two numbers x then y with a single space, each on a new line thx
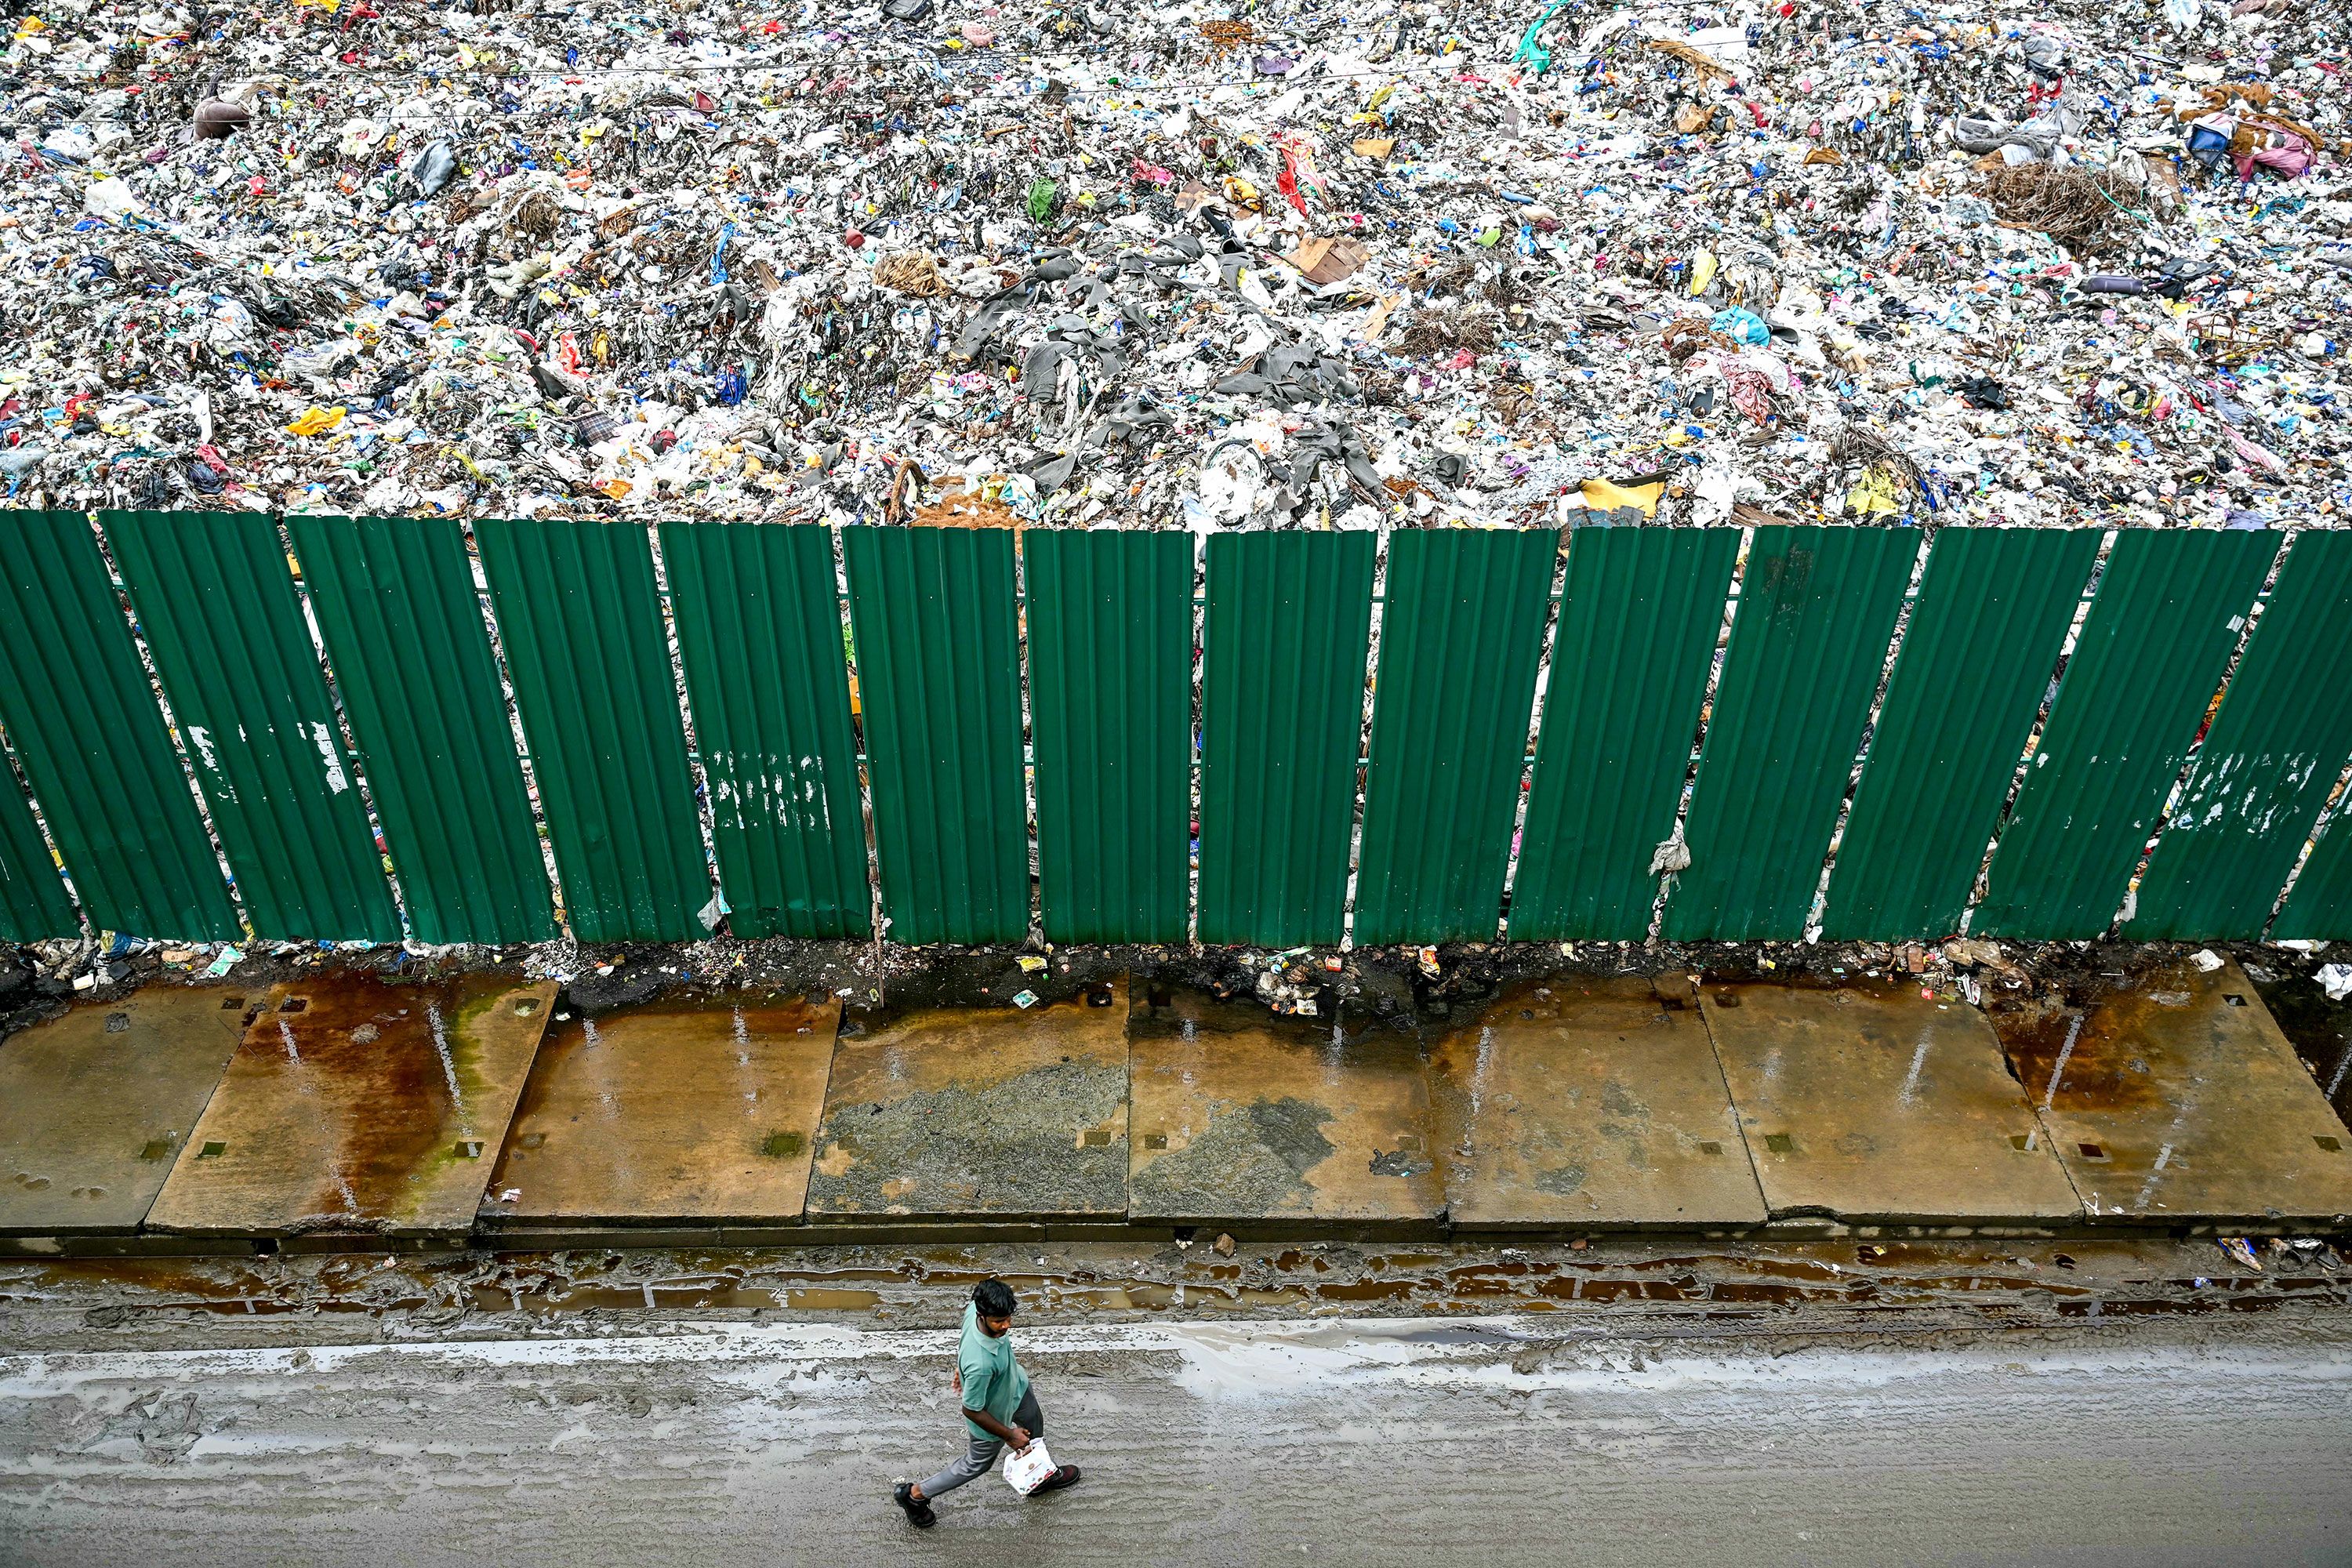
1513 1439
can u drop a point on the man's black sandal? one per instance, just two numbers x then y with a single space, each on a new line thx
918 1511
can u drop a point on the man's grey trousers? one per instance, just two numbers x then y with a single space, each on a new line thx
983 1452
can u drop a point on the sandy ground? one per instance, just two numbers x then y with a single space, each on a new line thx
1525 1437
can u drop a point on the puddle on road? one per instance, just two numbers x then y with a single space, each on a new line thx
2002 1282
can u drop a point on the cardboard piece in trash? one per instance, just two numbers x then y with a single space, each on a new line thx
1327 260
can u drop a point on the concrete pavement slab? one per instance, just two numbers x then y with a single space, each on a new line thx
703 1109
1240 1115
1871 1101
355 1105
1588 1101
979 1112
2317 1025
95 1105
2175 1097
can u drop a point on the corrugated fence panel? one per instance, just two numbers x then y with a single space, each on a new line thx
939 674
215 598
1110 687
1461 635
2276 748
1991 615
1638 621
759 623
1817 609
2320 908
33 902
397 604
2169 611
938 641
75 700
581 618
1288 624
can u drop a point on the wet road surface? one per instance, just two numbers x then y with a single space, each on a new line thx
1514 1438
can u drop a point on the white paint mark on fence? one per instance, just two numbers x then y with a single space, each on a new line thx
338 781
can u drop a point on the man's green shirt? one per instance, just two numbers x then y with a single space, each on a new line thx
992 1380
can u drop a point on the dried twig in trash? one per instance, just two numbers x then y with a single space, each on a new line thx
910 272
1870 449
2079 209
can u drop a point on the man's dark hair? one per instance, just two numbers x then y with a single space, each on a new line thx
994 1298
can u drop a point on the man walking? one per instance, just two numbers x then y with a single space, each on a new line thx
999 1406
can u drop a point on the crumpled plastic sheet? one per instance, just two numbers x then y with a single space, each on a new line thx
1204 266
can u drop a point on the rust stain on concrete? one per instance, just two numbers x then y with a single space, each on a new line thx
1870 1100
2176 1097
357 1104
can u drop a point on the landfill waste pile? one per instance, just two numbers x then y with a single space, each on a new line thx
1271 265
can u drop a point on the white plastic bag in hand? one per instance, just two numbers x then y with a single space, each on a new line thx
1027 1470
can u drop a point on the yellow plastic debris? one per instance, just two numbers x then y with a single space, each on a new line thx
1600 495
316 421
1702 265
1875 495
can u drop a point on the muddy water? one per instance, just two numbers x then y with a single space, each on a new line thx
1827 1282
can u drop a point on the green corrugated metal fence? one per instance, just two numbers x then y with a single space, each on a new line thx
224 624
2169 610
75 699
2281 739
2319 909
759 627
1816 608
939 675
1110 688
33 902
397 608
1638 621
1461 633
581 618
774 701
1993 613
1282 701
